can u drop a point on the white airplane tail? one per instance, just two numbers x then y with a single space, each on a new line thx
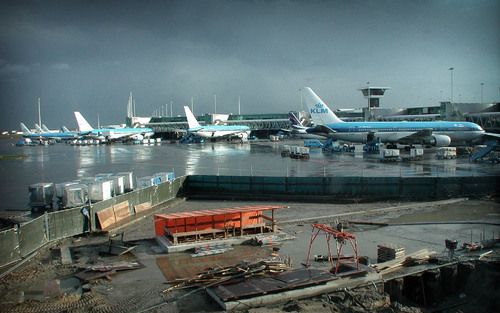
25 129
192 122
83 125
321 114
45 128
65 129
38 128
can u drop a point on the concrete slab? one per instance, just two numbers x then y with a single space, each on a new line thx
66 258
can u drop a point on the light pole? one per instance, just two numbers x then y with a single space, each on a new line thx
451 91
482 84
369 106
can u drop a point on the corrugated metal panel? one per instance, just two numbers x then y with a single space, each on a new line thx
10 247
32 235
66 223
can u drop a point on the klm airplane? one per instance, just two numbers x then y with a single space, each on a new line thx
110 134
437 133
44 135
215 131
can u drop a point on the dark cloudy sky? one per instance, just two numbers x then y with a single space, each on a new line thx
88 55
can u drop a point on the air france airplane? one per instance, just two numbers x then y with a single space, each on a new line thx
298 130
215 131
110 134
438 133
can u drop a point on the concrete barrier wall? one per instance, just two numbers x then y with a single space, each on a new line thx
19 242
338 188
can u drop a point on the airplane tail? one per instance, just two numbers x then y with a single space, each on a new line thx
25 129
192 122
65 129
320 112
38 128
83 125
45 128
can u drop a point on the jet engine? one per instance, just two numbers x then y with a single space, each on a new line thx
440 141
137 137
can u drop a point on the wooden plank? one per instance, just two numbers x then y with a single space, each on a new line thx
142 207
106 217
121 211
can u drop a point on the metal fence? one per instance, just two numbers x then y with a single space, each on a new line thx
338 188
22 240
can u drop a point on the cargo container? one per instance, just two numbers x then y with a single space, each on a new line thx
118 184
147 181
100 190
274 137
128 180
446 153
75 195
285 151
163 177
389 155
41 196
59 187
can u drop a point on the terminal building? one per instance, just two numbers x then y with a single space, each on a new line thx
487 115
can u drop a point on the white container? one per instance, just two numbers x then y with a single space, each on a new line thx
100 190
389 153
60 188
128 180
118 184
75 195
416 152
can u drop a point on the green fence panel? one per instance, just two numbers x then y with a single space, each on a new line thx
10 246
380 187
32 235
66 223
418 187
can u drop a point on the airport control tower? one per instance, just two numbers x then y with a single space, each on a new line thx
373 94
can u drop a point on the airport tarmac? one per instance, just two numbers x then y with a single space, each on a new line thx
63 163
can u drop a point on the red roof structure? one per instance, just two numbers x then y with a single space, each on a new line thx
227 221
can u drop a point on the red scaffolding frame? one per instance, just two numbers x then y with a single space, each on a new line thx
340 237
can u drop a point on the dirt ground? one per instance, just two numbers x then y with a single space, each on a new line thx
31 287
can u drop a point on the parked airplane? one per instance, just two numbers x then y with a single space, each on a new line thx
215 131
111 134
47 135
436 133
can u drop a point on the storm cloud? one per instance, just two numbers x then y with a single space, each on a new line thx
88 55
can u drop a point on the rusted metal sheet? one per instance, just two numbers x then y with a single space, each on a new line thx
122 211
106 217
295 279
142 207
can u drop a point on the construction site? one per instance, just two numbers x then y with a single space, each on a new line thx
188 255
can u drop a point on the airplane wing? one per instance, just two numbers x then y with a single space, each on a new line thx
418 136
321 130
495 135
